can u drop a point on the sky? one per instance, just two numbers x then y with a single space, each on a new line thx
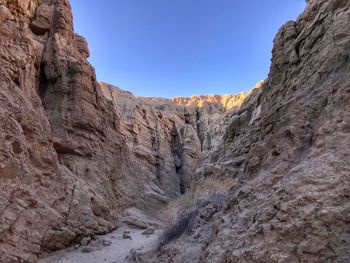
169 48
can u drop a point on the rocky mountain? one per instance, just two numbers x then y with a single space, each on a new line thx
75 154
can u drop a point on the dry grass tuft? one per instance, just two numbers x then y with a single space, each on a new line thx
182 212
204 189
186 218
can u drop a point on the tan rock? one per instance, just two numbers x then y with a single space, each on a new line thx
5 13
43 18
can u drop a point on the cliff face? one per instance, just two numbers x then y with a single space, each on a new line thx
75 153
289 146
165 143
170 138
293 203
57 173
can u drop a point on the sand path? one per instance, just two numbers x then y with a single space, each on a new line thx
110 248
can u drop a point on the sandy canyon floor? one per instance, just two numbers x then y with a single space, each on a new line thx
110 248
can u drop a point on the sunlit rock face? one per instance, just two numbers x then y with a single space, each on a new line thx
216 102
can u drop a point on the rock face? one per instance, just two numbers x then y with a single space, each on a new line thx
288 148
76 153
169 138
165 145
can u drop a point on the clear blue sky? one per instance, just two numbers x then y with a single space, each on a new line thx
168 48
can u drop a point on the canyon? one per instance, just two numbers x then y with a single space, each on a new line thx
80 158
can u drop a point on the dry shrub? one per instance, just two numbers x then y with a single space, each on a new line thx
177 207
207 187
184 222
182 212
203 190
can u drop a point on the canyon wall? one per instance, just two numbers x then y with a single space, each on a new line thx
288 147
75 153
170 138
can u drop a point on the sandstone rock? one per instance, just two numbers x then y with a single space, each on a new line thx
5 13
43 18
136 223
148 231
106 243
85 241
87 249
137 218
75 153
81 45
126 235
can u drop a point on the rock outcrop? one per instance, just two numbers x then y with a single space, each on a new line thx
76 153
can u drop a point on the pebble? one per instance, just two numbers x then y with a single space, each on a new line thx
86 249
148 231
106 243
85 241
126 235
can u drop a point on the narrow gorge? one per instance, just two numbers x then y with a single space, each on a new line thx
81 158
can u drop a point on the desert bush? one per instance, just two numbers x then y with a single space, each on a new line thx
182 213
205 189
183 224
177 207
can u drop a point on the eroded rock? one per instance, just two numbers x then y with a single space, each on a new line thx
291 202
75 153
